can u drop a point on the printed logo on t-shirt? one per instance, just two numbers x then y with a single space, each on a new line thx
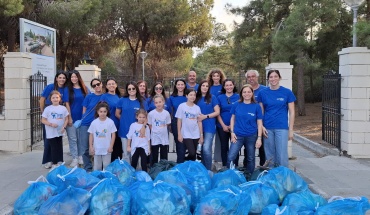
280 99
56 116
136 108
252 114
102 134
159 123
190 116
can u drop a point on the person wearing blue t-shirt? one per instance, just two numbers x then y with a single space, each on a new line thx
112 96
177 97
245 127
276 103
157 89
126 109
252 79
209 108
88 111
226 100
59 85
77 93
192 78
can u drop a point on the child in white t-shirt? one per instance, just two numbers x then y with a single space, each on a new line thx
102 135
159 119
55 120
139 146
190 130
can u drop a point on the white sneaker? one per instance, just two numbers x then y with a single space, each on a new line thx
80 160
54 166
48 165
74 162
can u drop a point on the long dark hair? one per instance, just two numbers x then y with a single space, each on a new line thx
70 85
60 72
153 93
146 87
175 92
117 92
100 105
223 91
138 95
208 95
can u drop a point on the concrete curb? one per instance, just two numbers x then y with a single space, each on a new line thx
7 210
315 146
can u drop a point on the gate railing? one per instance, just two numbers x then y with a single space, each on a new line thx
331 113
37 85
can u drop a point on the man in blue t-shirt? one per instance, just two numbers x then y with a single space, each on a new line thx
192 78
252 79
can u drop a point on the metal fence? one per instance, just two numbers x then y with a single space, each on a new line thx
331 113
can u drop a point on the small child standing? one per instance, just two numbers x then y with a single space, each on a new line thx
102 135
139 146
55 119
159 119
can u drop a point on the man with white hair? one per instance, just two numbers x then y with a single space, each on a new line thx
252 79
192 78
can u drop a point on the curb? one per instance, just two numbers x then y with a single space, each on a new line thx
7 210
318 148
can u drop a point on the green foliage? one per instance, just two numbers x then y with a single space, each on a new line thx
363 33
11 7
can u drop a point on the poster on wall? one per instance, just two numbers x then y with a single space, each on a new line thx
39 41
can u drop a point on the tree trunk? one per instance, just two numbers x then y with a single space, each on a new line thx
368 10
300 82
11 39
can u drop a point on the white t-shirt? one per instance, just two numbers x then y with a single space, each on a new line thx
159 122
102 133
55 115
188 115
136 140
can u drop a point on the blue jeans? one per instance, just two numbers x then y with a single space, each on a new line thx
276 147
207 150
47 150
83 145
180 147
72 141
126 156
249 143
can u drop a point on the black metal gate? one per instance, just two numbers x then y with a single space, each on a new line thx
37 85
331 114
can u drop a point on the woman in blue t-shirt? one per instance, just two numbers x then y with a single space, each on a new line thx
245 127
276 103
59 84
88 111
210 110
77 93
112 96
157 89
177 97
126 109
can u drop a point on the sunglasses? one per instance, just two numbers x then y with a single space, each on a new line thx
131 89
228 100
159 88
95 85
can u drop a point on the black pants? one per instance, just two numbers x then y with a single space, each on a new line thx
191 145
139 152
56 148
225 137
261 154
117 149
163 153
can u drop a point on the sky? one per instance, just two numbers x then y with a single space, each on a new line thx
222 16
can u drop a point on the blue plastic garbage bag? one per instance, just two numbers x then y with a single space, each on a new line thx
123 170
71 201
261 195
142 176
34 196
109 196
274 209
284 181
343 206
103 174
304 202
224 200
154 198
228 177
197 177
52 175
78 178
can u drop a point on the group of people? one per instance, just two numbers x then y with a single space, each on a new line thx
137 123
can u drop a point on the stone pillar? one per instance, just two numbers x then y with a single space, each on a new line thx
354 66
15 131
88 72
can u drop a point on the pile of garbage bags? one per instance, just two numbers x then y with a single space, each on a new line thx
183 189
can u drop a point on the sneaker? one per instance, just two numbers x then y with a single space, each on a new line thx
48 165
74 162
54 166
80 160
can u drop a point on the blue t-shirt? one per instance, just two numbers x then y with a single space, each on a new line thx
209 124
275 105
49 88
151 105
174 102
89 103
189 87
246 116
225 104
112 101
128 109
257 91
76 106
216 90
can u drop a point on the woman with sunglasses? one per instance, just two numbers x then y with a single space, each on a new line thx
226 100
143 88
77 93
88 111
157 89
126 109
112 96
177 97
59 84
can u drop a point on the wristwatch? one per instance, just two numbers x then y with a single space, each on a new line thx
207 116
